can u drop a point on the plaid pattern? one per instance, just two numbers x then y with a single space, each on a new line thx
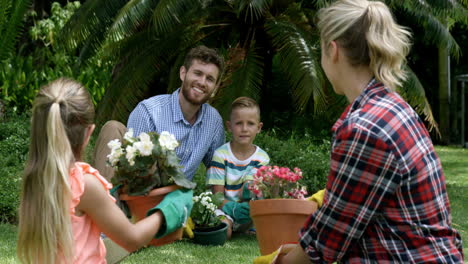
197 142
385 199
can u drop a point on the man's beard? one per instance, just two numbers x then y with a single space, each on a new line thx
186 92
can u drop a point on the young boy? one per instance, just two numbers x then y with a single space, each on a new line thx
235 163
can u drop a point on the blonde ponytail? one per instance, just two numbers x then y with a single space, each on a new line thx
388 43
61 111
369 36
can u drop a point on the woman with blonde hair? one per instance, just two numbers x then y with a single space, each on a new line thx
65 203
385 199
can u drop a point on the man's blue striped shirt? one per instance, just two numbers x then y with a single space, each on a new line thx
197 142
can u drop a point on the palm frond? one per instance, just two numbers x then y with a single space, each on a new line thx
413 92
130 18
434 22
174 77
139 67
244 77
253 9
88 25
299 58
11 22
168 14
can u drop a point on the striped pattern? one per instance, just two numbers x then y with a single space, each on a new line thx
225 169
197 142
385 198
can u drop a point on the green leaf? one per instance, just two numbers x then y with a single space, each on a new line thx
299 61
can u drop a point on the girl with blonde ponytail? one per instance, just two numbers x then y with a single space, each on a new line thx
65 203
385 200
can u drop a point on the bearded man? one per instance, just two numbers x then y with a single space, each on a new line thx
185 113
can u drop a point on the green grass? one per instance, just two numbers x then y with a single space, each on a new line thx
7 243
455 165
240 249
243 248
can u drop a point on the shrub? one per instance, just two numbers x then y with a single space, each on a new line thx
310 154
14 143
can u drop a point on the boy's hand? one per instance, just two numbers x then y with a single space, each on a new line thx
317 197
176 208
246 194
240 212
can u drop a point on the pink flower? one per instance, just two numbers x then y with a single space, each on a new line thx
277 182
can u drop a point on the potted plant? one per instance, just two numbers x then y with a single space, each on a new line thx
209 229
147 168
278 208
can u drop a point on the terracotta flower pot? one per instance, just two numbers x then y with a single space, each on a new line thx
139 205
211 236
278 221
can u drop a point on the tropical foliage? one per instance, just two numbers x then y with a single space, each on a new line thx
149 38
11 21
37 60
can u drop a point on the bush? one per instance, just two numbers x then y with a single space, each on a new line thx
14 143
310 154
41 61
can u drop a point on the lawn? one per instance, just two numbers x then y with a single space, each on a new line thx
243 248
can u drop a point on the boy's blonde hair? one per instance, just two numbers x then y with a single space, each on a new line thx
62 111
245 102
370 37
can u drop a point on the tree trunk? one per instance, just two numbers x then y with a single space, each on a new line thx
444 95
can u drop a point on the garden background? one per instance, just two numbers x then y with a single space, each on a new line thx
125 51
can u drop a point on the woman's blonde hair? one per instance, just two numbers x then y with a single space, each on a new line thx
370 37
62 111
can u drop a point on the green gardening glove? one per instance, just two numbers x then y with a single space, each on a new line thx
246 194
176 208
240 212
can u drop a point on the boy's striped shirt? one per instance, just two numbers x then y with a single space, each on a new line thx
225 169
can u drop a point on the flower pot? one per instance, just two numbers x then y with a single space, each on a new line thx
278 221
139 205
211 236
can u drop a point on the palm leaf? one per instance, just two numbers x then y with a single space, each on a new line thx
433 20
413 92
131 18
88 25
169 13
11 22
244 77
253 9
299 57
154 57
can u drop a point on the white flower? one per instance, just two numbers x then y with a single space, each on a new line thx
114 144
144 137
114 156
129 135
144 147
206 199
131 153
168 141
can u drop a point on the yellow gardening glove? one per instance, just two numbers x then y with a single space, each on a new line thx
317 197
189 226
267 259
